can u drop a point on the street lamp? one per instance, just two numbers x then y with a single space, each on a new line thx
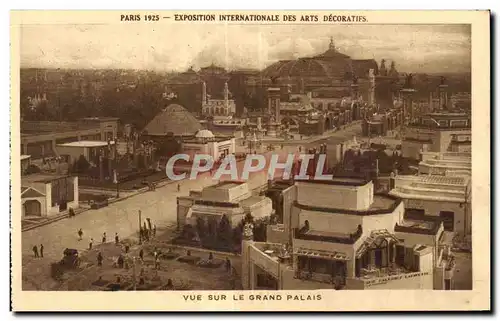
252 141
115 180
140 227
115 172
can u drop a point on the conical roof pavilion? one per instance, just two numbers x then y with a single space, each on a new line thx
174 119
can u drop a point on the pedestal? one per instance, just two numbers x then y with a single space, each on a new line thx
273 130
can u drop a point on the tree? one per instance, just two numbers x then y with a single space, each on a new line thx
201 227
260 230
141 164
248 218
32 169
81 165
238 233
224 232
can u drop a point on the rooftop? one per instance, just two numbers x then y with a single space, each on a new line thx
248 202
327 233
427 227
47 127
101 119
382 204
347 181
23 157
437 179
173 119
227 185
86 143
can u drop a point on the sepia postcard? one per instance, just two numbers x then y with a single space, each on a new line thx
250 161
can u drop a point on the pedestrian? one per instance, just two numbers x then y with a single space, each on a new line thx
35 251
178 187
41 250
120 262
104 237
228 264
90 243
155 253
210 256
127 248
99 259
80 234
154 229
141 254
170 284
117 239
157 263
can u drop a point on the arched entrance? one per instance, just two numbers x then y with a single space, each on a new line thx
32 208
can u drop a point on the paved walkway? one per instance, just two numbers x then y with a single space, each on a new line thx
121 217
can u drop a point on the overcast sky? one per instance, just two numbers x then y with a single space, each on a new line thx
425 48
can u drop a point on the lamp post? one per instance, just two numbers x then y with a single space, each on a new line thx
140 227
252 141
134 272
115 180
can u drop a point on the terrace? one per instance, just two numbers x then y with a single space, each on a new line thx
382 204
324 236
421 226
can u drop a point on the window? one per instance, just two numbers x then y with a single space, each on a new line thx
443 123
400 255
458 123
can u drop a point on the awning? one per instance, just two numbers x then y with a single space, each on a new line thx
375 240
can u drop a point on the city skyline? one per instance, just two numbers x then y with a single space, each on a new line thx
414 48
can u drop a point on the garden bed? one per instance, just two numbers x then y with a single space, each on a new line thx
213 264
190 259
169 256
97 205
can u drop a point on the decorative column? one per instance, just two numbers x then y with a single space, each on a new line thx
248 269
407 94
372 257
101 168
443 95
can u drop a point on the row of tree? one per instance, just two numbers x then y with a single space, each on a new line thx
218 234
